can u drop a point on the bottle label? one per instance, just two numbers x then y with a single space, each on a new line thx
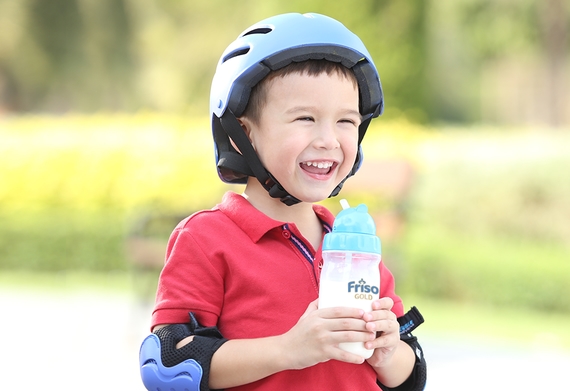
362 288
357 293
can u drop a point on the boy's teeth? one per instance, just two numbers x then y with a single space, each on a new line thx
319 164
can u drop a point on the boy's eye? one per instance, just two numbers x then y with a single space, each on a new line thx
305 119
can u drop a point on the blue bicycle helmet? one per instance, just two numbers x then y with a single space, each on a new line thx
268 46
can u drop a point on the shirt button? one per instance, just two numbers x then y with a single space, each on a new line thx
286 234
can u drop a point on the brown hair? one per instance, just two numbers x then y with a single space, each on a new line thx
258 95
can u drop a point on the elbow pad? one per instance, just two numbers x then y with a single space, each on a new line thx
164 367
417 380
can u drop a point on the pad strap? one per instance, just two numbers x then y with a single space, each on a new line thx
410 320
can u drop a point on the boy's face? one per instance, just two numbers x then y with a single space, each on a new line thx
307 133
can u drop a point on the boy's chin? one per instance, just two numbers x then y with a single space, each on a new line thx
313 196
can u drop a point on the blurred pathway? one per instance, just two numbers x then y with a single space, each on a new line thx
88 341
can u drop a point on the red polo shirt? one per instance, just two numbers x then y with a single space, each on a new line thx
253 277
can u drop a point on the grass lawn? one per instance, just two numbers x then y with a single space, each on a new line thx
523 327
56 282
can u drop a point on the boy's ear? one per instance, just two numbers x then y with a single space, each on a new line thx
246 126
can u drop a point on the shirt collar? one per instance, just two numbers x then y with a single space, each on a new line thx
255 223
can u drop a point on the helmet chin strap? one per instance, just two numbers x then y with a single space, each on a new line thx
233 129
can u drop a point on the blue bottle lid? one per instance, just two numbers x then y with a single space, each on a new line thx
353 230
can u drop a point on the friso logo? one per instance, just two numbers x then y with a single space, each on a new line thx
362 290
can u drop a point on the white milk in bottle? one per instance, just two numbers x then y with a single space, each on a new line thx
351 257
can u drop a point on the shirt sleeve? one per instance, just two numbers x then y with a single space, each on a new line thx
388 289
188 282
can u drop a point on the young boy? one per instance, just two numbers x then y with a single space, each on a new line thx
237 301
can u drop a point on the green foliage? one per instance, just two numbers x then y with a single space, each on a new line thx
63 54
61 239
489 220
115 163
498 183
72 188
495 28
496 270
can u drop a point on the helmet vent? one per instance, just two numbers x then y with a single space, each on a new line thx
259 30
235 53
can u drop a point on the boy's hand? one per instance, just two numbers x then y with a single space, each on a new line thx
318 332
384 323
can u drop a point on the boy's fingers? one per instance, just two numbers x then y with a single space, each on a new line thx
383 303
342 312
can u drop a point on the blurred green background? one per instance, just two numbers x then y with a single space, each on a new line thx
105 140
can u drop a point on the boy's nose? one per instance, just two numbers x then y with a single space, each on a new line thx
326 137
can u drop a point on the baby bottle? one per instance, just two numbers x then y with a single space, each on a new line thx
351 257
